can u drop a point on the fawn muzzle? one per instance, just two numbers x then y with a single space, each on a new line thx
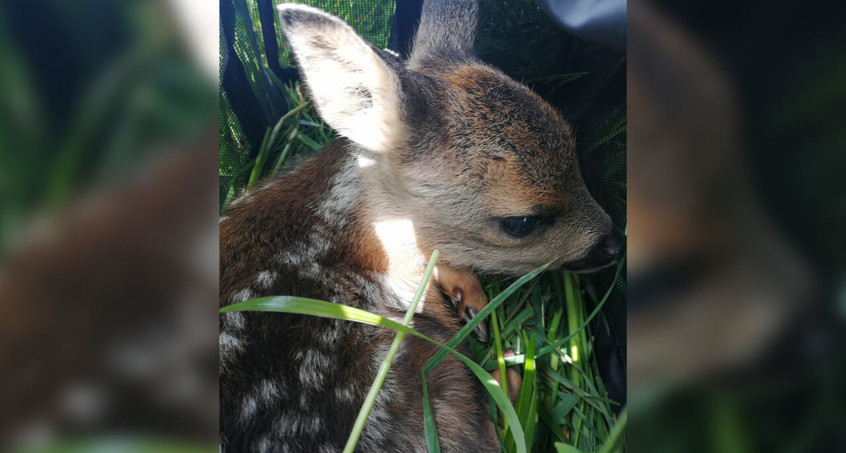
607 251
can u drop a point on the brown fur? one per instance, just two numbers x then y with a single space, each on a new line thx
438 151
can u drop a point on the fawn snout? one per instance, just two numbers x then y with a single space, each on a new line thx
607 251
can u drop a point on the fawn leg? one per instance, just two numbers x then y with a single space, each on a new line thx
466 293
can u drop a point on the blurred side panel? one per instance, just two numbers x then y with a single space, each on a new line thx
735 218
108 232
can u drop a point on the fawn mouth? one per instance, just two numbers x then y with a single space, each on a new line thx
606 252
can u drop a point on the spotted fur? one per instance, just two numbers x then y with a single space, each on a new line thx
435 152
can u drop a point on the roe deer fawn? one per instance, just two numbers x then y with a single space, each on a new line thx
437 152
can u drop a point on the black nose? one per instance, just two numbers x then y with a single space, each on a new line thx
607 250
612 246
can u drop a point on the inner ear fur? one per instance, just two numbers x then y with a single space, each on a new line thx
355 90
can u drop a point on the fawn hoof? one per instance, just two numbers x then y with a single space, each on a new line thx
467 312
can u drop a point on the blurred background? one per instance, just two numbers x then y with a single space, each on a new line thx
736 216
108 232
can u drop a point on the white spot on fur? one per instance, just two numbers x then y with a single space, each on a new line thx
241 295
289 258
266 279
249 407
377 420
314 425
222 219
345 394
268 390
318 241
263 445
331 335
229 345
312 271
335 207
287 425
314 365
234 321
404 261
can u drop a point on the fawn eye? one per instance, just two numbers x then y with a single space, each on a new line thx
521 226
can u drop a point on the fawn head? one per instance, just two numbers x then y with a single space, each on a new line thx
485 170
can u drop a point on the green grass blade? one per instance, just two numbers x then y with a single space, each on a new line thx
616 434
549 348
566 448
385 366
309 142
526 404
261 157
555 429
500 359
567 403
429 428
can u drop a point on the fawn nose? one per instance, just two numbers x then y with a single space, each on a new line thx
611 246
605 252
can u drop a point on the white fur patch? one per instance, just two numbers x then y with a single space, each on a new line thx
314 366
331 335
289 258
249 407
345 394
263 445
268 390
288 425
313 425
234 321
241 295
266 279
229 345
335 207
318 239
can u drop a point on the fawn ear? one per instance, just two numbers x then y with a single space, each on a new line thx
446 32
355 90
